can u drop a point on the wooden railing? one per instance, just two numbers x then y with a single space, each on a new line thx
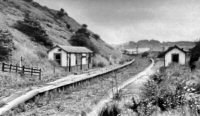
21 70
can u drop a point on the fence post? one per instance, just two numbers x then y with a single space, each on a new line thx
3 66
23 69
10 67
40 74
32 71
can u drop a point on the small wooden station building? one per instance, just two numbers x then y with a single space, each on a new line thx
73 58
174 54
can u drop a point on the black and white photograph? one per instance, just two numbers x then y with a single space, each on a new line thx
99 58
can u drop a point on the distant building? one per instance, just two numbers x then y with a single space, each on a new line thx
71 57
173 54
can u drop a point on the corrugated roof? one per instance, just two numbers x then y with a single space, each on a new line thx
75 49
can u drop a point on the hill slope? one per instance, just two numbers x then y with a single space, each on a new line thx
154 44
59 30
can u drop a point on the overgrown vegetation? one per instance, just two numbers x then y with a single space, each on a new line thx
167 91
110 110
6 45
32 28
81 38
145 54
80 98
96 36
195 54
61 13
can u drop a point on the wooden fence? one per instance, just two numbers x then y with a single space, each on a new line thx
21 70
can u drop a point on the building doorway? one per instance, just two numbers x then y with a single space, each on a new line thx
57 57
175 58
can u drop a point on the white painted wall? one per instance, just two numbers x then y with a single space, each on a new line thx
63 56
168 56
73 59
84 60
64 61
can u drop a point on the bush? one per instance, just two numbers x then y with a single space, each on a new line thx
61 13
32 28
195 54
163 93
110 110
145 54
6 45
96 36
68 26
82 40
101 64
150 89
121 62
83 31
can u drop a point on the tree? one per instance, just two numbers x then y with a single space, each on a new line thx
6 45
61 13
83 30
33 28
195 54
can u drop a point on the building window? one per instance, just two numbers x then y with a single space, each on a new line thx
57 57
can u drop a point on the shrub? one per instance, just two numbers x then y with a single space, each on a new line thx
6 45
118 96
145 54
61 13
195 54
68 26
162 69
82 40
96 36
83 31
110 110
150 89
163 92
121 62
101 64
32 28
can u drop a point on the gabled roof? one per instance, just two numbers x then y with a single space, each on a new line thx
171 48
73 49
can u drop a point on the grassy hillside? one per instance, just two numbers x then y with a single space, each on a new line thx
55 26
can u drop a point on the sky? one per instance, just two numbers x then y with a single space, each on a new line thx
120 21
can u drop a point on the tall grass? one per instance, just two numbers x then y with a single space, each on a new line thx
83 96
111 109
170 90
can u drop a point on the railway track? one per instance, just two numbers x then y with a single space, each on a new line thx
69 81
102 103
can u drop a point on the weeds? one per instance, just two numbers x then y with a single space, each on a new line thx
84 96
111 109
168 91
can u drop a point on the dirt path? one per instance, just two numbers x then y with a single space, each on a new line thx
130 84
